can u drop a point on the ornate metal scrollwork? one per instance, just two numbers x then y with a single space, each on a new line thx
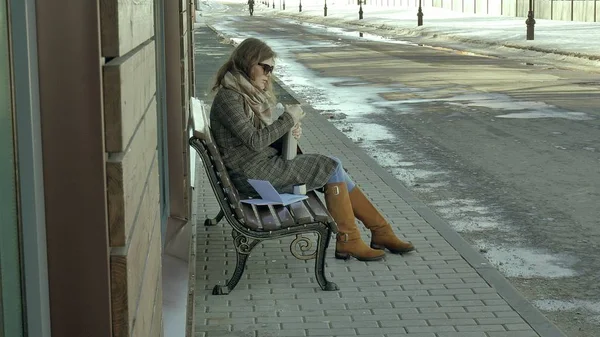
301 248
243 244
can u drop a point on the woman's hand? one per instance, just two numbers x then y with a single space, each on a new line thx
296 112
297 131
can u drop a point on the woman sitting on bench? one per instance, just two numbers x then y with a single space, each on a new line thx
245 132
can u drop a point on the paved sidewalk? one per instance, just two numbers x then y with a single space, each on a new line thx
443 289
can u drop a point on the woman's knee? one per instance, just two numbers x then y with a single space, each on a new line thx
338 161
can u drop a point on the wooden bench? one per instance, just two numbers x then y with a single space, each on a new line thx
252 224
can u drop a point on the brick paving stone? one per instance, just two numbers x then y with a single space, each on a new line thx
330 332
369 294
277 319
461 334
491 308
443 309
387 299
403 323
361 324
328 319
408 286
305 313
369 305
424 315
471 315
502 320
460 303
451 292
423 305
481 328
432 329
506 314
528 333
225 333
349 312
375 331
280 333
376 317
451 321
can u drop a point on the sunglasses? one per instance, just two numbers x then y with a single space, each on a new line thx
266 68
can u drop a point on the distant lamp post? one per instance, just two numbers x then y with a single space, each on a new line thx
300 6
283 4
420 15
360 10
273 4
325 9
530 22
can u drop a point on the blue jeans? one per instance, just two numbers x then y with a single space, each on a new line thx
340 176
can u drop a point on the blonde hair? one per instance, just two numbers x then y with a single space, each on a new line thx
245 56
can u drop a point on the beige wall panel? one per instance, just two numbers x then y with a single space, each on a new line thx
129 86
151 281
157 318
129 263
125 24
126 177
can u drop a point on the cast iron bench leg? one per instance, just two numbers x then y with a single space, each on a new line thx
243 246
215 221
324 235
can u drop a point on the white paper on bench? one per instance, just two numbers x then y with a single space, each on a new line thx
270 196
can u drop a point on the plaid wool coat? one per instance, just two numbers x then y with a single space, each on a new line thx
248 152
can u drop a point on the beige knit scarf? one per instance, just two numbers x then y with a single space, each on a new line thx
258 102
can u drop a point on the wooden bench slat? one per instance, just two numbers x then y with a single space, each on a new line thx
269 223
251 217
239 214
285 217
301 214
317 208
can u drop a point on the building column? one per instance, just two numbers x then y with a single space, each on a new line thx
70 81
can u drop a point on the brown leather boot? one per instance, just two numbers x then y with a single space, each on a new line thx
382 235
348 241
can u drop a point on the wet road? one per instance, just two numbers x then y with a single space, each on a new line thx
508 153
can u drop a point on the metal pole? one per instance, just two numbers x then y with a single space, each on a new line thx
300 6
325 9
420 15
360 10
283 4
530 22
